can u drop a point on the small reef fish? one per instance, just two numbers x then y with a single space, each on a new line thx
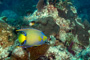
31 37
32 23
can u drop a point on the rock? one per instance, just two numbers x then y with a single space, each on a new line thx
7 38
47 25
19 53
36 52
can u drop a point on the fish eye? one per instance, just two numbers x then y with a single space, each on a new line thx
23 33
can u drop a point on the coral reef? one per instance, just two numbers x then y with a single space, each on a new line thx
6 40
68 36
36 52
19 53
40 5
72 33
46 25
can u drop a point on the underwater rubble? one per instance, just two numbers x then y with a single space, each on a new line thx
68 36
6 40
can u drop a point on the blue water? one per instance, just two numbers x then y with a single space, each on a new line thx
18 6
22 6
83 8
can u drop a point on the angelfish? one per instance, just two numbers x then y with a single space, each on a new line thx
31 37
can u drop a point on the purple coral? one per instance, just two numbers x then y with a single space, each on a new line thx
70 48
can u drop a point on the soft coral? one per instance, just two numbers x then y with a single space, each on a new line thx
70 48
